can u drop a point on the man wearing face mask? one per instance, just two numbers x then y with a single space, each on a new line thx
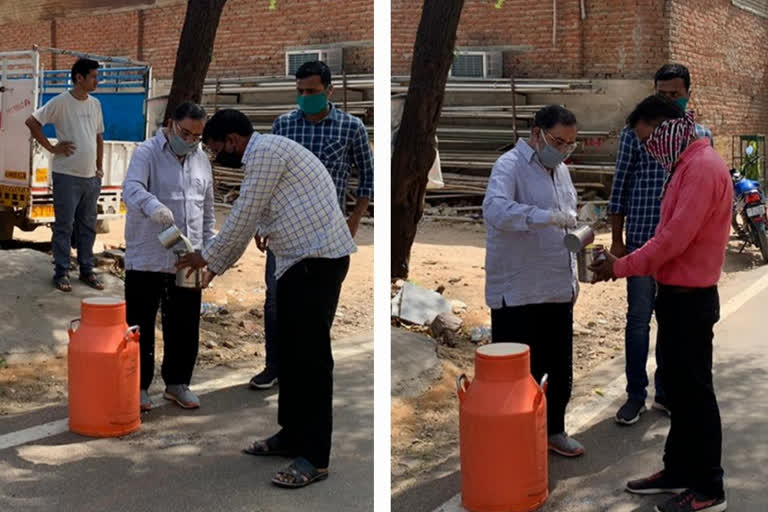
168 182
531 281
288 196
340 141
685 257
635 198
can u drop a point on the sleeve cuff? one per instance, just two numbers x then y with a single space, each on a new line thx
621 267
365 192
213 265
540 217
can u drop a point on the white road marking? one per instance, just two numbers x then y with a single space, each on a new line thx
52 428
583 414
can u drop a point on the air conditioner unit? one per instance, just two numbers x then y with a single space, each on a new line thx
333 57
477 64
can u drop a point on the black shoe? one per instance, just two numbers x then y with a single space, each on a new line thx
660 404
630 412
691 501
655 484
264 380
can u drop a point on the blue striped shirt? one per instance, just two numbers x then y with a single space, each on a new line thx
637 185
339 141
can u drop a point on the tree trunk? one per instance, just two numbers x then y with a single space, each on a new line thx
414 149
195 52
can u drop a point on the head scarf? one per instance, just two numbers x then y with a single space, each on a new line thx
668 141
670 138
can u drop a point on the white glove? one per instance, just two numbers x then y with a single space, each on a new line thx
563 219
162 216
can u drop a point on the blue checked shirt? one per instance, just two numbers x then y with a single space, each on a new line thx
339 141
637 186
288 196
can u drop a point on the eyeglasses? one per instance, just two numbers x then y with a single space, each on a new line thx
562 145
188 135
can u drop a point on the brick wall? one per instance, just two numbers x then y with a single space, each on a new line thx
729 67
617 39
251 39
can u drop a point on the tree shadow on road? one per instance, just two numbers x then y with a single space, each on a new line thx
191 460
616 454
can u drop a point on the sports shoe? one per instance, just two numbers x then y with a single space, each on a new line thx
692 501
264 380
144 401
661 405
181 394
630 412
564 445
657 483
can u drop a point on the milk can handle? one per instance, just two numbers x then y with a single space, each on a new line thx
542 391
461 390
71 329
132 329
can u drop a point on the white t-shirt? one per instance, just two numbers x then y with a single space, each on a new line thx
76 121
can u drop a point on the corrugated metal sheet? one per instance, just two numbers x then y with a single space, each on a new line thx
759 7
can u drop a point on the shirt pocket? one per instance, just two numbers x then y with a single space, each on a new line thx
197 189
332 154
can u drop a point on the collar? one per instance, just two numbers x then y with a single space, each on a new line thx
254 140
525 149
692 150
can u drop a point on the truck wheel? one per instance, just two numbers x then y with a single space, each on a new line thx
7 221
102 226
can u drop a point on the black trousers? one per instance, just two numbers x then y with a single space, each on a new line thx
548 330
693 449
145 292
307 296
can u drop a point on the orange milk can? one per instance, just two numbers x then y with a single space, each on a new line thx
103 361
503 432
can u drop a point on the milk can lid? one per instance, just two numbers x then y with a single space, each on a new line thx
103 301
502 349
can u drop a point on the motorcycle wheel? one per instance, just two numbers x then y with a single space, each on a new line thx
763 239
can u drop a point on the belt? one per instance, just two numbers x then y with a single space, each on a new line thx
666 288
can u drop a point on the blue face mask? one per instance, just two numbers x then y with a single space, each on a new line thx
180 146
313 104
683 102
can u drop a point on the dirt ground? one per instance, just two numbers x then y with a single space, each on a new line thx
236 333
425 428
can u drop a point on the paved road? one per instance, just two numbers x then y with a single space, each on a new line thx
594 483
181 461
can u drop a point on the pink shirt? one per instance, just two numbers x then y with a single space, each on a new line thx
688 248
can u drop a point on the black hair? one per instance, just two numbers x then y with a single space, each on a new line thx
672 71
83 67
225 122
548 117
315 67
654 108
188 110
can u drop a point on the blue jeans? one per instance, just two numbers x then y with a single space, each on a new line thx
270 313
75 205
641 297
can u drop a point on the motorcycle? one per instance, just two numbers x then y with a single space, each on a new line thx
749 219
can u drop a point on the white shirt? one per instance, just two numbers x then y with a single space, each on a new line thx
78 122
155 177
288 195
526 261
